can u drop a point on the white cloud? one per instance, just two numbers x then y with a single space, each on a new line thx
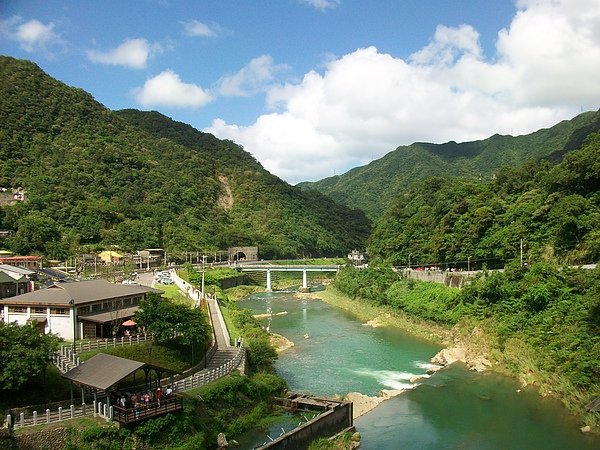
32 35
448 45
196 28
366 103
255 77
322 4
167 89
132 53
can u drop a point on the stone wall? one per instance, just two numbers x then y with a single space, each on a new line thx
450 279
54 438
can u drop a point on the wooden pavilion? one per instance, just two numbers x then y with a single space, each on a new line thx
102 373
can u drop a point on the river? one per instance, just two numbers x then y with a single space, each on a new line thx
334 354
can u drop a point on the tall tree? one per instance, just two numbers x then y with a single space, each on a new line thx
24 353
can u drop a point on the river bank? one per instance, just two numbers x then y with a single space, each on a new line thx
469 343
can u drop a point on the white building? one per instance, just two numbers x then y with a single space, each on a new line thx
80 309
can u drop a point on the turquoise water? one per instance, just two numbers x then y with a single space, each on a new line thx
334 354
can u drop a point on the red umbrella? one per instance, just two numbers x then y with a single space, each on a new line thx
128 323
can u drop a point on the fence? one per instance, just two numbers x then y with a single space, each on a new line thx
58 415
66 358
126 416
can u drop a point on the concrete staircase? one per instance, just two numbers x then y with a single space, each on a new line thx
222 356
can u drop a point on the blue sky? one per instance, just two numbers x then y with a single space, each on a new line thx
313 88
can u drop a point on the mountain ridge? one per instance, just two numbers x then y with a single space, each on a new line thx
373 187
96 177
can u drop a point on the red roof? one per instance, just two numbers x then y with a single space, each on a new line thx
20 258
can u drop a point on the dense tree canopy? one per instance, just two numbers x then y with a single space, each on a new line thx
140 180
168 321
553 211
373 187
24 353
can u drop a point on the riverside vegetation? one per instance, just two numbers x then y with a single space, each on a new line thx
185 190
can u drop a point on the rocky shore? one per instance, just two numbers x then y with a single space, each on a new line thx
362 403
281 343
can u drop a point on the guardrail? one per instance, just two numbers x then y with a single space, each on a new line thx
126 416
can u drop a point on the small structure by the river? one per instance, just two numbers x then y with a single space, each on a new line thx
102 373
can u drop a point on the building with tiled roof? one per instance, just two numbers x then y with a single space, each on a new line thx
78 309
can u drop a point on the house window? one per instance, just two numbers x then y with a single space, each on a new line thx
97 307
17 309
38 310
59 311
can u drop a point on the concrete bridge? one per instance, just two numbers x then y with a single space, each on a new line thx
268 268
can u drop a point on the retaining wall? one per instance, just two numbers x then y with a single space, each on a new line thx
337 418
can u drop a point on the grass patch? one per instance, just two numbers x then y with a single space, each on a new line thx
171 356
234 331
341 442
238 292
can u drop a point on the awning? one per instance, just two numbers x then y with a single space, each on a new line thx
109 316
37 319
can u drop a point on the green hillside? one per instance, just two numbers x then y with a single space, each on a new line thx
138 180
372 187
539 211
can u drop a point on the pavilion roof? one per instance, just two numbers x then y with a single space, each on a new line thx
103 371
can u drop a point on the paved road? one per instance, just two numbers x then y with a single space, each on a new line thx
146 278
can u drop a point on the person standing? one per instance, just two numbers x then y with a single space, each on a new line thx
159 394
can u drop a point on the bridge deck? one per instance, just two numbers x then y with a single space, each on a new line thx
289 268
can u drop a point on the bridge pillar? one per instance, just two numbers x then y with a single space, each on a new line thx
304 287
269 280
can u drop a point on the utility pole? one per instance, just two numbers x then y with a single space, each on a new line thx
468 263
203 262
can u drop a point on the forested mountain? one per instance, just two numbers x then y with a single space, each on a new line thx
372 187
552 211
139 180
